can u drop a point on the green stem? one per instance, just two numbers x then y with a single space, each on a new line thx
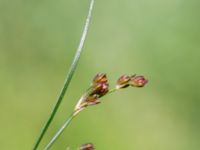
75 113
67 122
112 90
68 78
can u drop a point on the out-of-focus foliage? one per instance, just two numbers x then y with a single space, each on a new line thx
157 38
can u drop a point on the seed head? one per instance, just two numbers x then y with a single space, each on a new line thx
88 146
100 78
92 100
138 81
98 89
123 82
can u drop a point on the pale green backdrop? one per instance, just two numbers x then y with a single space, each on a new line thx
157 38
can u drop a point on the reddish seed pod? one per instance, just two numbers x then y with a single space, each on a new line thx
100 85
100 78
92 100
123 82
100 89
138 81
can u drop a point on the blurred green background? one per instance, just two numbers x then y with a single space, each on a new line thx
156 38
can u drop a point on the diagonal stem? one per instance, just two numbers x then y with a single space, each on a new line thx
67 122
68 78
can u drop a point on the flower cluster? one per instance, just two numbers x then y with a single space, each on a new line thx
99 88
134 80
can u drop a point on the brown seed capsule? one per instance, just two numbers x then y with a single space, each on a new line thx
123 82
138 81
87 100
100 89
92 100
88 146
100 78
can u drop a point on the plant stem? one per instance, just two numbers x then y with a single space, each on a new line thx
67 122
68 78
112 90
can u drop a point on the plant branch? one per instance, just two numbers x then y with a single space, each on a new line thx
68 78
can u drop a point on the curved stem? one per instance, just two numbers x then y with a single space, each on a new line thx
68 78
67 122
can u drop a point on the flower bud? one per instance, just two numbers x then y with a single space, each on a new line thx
123 82
88 146
100 78
138 81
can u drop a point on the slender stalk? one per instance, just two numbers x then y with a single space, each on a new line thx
68 78
112 90
67 122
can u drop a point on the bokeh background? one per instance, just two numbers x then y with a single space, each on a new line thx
156 38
